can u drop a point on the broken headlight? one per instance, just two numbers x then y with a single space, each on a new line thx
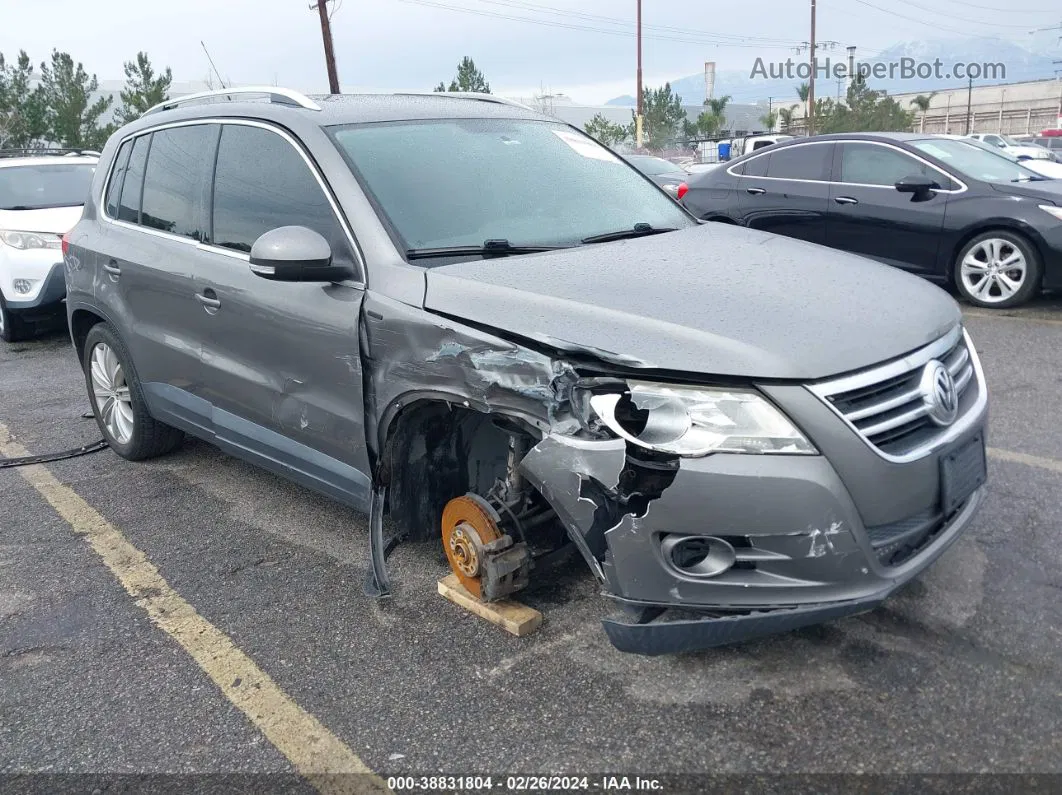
697 421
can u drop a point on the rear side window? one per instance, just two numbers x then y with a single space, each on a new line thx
114 188
870 164
757 166
808 162
176 179
261 182
129 206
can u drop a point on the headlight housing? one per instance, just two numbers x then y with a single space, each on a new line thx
698 421
1052 209
25 240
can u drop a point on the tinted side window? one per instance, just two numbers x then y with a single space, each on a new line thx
114 189
129 207
173 187
757 167
870 164
262 182
800 162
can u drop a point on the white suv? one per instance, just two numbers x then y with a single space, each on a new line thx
41 196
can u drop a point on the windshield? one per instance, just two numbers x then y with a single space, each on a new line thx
45 185
461 182
653 166
971 160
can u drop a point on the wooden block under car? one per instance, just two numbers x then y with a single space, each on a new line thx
513 617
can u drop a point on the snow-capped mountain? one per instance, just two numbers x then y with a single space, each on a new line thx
1020 64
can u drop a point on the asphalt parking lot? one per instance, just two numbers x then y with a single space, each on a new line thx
960 672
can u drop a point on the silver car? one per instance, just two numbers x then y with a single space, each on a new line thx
475 319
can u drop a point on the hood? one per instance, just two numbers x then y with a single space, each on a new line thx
57 220
1048 190
714 300
1048 168
1038 152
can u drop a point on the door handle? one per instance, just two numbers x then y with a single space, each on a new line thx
112 269
756 191
209 299
846 200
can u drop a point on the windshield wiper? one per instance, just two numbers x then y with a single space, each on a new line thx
1037 178
638 230
490 248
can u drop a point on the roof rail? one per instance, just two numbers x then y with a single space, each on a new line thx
49 151
276 94
466 95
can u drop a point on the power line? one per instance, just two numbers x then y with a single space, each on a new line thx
971 21
535 7
572 26
913 19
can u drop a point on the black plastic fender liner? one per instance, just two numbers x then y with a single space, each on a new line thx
95 447
378 583
677 637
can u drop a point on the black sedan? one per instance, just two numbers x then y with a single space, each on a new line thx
942 208
663 172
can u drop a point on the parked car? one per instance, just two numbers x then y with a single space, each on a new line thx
1015 147
1045 168
1053 143
944 209
759 432
41 194
663 172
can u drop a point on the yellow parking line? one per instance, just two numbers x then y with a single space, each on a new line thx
1002 316
317 754
1029 460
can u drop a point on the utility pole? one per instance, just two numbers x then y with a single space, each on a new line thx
638 120
329 52
811 81
969 106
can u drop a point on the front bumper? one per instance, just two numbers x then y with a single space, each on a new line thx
815 537
47 293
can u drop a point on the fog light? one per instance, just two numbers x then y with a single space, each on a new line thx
698 556
23 286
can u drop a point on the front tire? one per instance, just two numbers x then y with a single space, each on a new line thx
998 270
118 400
12 329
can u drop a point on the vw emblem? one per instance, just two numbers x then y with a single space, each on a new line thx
939 397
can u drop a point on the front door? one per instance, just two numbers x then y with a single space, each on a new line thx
282 364
869 216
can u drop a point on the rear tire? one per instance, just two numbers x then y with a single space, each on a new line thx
998 270
12 329
118 400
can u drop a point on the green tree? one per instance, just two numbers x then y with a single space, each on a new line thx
663 114
469 78
804 92
863 110
143 89
769 120
66 90
922 101
785 116
21 111
607 132
712 120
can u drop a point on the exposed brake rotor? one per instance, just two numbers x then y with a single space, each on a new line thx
469 524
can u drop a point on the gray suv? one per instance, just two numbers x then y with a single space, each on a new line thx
476 320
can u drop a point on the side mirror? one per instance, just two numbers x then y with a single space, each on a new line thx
1023 158
295 254
916 185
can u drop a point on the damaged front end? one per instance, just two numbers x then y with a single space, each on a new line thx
705 513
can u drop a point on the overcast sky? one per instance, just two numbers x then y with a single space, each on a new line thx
584 48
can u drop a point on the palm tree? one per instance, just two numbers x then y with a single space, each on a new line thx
804 91
768 120
713 119
922 102
785 115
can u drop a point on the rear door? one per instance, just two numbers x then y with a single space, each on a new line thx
786 191
869 216
282 362
155 211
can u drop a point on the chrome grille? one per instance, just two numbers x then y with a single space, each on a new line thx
885 404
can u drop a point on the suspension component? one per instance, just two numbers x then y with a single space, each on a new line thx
485 559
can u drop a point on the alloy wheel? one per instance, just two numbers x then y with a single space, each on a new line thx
111 393
994 270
